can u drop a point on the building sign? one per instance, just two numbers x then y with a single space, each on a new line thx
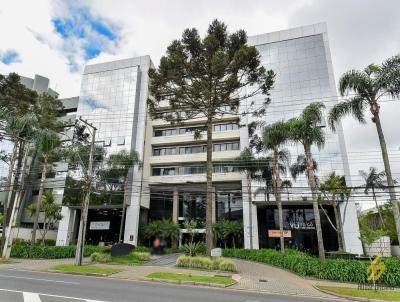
99 225
277 233
308 225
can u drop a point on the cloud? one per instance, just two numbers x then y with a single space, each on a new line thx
84 36
93 104
9 57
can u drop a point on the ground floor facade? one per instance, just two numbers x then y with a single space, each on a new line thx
181 203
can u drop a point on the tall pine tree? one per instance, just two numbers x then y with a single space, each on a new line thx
204 76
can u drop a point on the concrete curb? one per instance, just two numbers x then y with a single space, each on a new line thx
347 297
187 282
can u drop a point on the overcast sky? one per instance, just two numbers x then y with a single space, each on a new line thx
56 38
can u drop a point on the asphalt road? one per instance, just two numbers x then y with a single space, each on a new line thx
19 285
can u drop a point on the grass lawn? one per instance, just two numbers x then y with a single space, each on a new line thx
85 269
126 260
192 278
389 295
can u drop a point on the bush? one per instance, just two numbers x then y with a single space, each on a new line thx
206 263
100 257
193 249
143 256
227 265
308 266
51 252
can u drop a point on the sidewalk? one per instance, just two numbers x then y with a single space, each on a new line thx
252 276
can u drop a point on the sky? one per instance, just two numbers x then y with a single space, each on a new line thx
56 38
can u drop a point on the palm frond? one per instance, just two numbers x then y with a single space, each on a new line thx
354 81
354 106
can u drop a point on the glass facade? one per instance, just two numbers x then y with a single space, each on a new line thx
299 220
108 100
303 75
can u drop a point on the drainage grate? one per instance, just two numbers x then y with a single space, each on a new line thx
262 280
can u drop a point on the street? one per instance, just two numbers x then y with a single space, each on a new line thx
24 286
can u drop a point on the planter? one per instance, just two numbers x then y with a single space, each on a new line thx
395 250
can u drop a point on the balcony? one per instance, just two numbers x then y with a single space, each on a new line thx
189 138
195 178
193 158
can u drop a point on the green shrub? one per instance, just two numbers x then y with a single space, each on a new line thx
100 257
205 263
142 249
51 252
344 270
143 256
227 265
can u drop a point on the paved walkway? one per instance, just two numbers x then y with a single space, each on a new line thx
165 260
252 276
261 277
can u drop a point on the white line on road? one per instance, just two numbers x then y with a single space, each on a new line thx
46 295
39 279
31 297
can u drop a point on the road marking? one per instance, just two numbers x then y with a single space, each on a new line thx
31 297
34 295
39 279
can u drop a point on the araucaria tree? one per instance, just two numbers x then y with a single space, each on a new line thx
305 130
368 88
275 136
204 77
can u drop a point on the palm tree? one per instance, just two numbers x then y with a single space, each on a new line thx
305 130
15 129
47 141
369 87
374 180
287 184
247 164
335 185
274 137
265 175
300 167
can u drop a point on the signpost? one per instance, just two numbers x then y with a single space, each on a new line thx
277 233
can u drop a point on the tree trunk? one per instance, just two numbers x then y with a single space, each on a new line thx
7 190
385 157
14 214
209 208
250 210
277 190
39 201
338 224
313 187
19 163
377 208
121 228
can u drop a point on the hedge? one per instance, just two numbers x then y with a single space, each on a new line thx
206 263
51 252
308 266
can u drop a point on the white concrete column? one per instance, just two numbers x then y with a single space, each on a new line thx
247 208
132 221
351 230
65 226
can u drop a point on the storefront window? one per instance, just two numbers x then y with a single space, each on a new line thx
229 205
192 206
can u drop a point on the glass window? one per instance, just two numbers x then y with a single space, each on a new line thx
217 147
164 151
163 171
185 170
165 132
121 141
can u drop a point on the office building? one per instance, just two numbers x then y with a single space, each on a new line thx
171 182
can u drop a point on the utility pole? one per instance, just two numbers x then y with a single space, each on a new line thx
85 206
